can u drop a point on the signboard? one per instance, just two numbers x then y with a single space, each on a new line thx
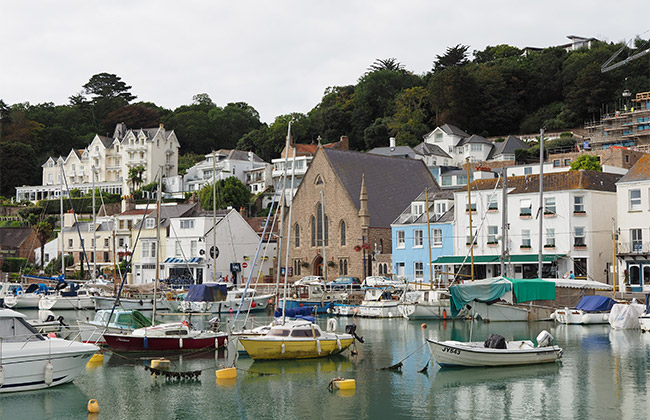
244 264
214 252
235 267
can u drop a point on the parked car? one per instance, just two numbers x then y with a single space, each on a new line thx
345 282
309 280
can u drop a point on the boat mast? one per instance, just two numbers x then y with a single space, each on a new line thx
214 217
155 284
293 172
540 213
426 201
322 207
61 205
92 168
504 221
471 233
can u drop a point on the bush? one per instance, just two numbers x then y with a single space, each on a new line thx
14 265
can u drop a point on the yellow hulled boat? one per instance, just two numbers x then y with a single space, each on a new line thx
296 340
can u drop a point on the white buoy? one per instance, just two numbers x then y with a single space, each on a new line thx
49 373
180 343
2 376
283 347
318 346
338 343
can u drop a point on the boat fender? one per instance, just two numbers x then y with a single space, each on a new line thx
338 343
146 343
49 373
2 376
93 406
180 343
444 314
282 347
331 325
318 346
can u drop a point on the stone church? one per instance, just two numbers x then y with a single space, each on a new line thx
342 211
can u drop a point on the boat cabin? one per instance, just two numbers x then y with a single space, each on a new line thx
302 330
13 327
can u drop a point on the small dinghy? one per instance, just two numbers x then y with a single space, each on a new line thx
495 351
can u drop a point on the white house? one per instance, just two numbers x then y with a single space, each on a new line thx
109 159
633 217
576 231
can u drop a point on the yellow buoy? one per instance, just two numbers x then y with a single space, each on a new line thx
227 373
226 383
161 363
345 384
93 406
97 358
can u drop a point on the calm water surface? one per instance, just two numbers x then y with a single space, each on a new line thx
604 375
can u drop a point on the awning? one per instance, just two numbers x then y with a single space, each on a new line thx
174 260
478 259
489 259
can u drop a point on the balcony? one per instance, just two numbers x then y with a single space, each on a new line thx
633 248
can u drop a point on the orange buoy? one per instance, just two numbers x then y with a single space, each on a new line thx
93 406
444 314
424 326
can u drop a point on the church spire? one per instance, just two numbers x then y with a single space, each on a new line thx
364 214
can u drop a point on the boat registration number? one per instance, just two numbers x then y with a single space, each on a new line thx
450 350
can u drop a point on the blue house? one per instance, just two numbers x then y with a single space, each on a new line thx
411 241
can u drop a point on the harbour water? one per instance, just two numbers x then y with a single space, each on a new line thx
603 375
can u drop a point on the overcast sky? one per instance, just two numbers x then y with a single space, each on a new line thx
278 56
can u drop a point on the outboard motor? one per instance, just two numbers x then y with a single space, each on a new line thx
352 330
544 339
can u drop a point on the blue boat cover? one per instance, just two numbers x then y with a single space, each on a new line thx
207 293
37 288
295 312
596 303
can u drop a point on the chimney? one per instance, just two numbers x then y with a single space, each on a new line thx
344 143
162 126
243 212
250 156
392 142
128 203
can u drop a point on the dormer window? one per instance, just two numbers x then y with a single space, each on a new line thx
319 180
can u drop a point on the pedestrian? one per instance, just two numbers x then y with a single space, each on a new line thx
571 275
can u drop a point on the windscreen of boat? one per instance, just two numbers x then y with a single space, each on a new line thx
17 329
278 332
176 332
304 332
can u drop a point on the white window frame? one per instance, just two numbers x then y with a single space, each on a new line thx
579 236
525 207
418 270
194 248
634 202
187 223
149 223
578 203
179 249
493 231
493 202
436 234
401 239
418 238
550 238
549 205
525 238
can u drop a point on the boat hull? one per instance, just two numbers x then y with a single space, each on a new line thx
457 354
66 302
128 303
260 348
379 309
24 365
417 310
644 322
578 316
320 307
131 343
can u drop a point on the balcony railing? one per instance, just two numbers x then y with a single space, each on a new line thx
634 247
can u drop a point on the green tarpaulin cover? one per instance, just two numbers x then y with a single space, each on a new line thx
490 290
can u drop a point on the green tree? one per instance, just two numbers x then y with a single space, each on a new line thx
587 162
453 57
390 64
108 86
43 227
231 192
135 176
134 115
17 167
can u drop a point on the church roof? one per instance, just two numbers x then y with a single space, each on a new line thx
391 182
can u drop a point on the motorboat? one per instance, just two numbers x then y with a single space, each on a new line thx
425 304
380 302
118 321
299 339
495 351
144 303
311 293
28 298
168 337
242 298
625 316
70 297
382 281
502 299
592 309
29 360
48 323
